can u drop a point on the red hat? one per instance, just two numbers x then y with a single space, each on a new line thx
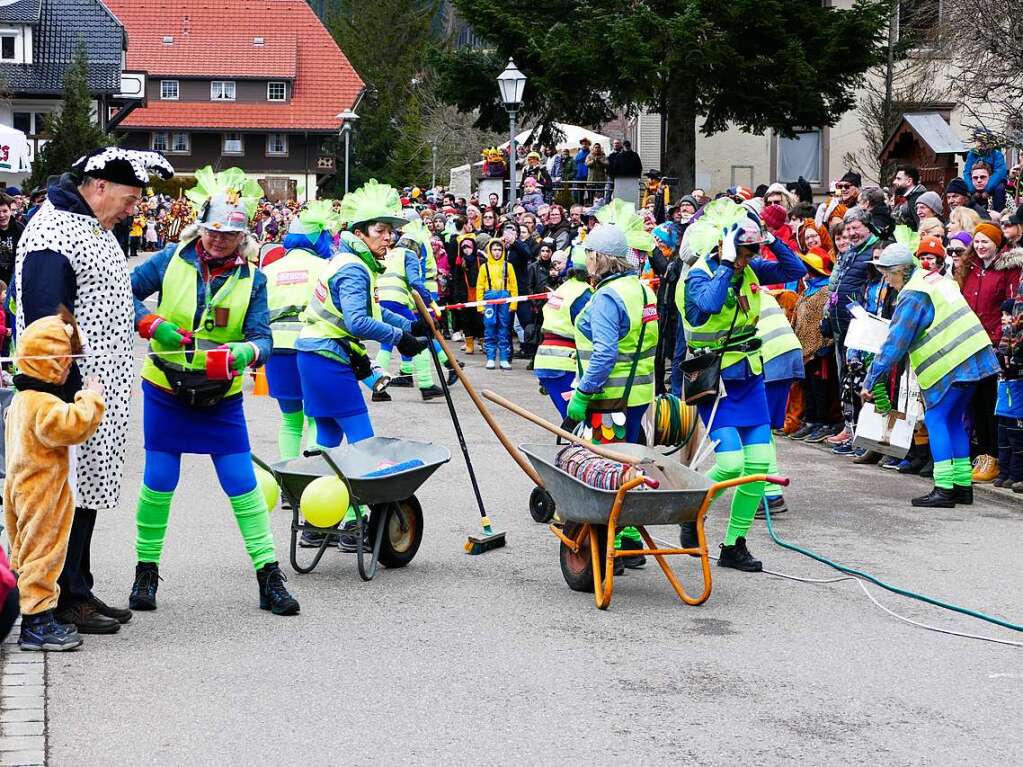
932 245
773 216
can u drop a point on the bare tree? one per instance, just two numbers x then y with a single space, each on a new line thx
986 41
908 81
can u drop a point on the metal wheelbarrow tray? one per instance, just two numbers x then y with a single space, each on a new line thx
593 517
395 524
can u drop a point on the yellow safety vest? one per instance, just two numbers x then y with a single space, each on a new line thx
559 353
178 306
393 283
289 285
776 334
322 319
641 305
712 333
954 335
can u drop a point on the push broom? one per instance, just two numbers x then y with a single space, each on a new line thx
489 540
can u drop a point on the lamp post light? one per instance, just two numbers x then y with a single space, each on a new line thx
348 119
512 84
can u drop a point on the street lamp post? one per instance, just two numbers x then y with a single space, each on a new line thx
433 180
348 119
512 84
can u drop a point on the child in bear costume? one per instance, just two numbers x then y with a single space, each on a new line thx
38 495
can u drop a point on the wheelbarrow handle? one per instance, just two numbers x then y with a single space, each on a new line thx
783 481
652 483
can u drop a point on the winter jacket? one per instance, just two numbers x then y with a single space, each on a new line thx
496 275
905 211
581 169
532 201
985 289
995 159
847 284
539 277
597 165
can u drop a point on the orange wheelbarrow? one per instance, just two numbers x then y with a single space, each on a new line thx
592 517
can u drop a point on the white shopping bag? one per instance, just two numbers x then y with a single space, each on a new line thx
888 434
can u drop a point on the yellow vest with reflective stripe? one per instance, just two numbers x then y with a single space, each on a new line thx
393 283
289 285
954 335
178 305
776 334
641 307
430 277
322 319
712 333
557 320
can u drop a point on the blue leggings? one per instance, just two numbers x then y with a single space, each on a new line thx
330 431
234 470
290 405
946 428
736 437
556 387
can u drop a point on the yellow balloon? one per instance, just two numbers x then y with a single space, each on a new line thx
268 487
324 501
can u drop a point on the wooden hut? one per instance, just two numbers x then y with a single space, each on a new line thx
926 140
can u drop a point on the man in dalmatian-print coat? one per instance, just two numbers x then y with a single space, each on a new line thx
69 256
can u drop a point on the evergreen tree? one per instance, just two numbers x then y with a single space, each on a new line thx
387 41
757 64
71 131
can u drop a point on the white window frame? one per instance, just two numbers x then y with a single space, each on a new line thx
14 47
241 144
284 142
221 87
779 141
177 90
284 90
153 142
174 135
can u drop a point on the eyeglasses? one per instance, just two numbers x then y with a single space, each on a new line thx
954 251
842 187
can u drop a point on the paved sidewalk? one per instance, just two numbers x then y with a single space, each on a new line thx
22 705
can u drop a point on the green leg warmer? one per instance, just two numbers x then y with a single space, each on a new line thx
383 359
421 367
405 368
151 524
756 459
289 436
772 490
727 465
962 472
441 355
254 522
944 473
310 431
628 532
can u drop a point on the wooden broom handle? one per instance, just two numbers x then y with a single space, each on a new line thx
513 451
598 449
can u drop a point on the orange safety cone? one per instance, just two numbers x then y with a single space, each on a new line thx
260 388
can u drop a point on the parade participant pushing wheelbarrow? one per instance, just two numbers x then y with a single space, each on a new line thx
720 306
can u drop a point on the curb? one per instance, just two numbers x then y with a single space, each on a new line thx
22 704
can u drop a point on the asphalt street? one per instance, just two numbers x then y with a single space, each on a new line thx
491 659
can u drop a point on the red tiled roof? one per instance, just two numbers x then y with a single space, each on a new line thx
215 40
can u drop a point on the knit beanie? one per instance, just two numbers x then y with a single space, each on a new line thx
964 237
773 216
991 231
931 245
957 186
932 200
852 178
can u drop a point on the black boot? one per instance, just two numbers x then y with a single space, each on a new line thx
688 538
402 381
87 619
143 591
119 614
273 595
431 392
634 562
380 396
452 375
738 557
963 494
938 498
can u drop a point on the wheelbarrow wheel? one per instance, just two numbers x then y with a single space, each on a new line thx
541 506
402 530
577 569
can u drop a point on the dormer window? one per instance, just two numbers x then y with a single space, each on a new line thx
276 91
222 90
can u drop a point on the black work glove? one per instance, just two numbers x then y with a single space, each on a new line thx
420 328
411 345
